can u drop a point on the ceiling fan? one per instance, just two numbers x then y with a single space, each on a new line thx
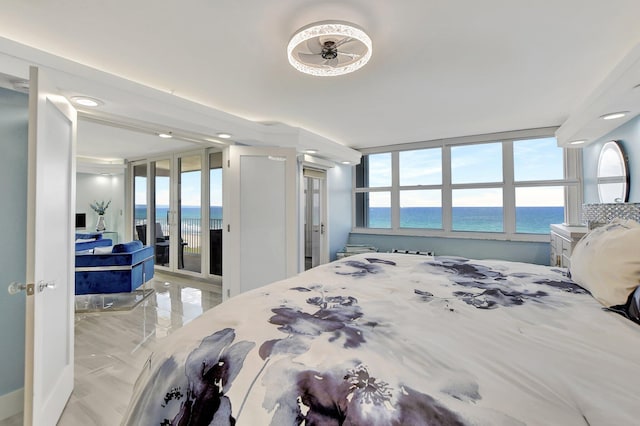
329 48
329 51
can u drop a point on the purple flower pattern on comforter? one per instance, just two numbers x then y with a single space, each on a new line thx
389 340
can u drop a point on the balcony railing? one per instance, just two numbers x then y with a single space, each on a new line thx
190 231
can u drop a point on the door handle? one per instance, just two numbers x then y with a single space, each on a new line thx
322 229
42 285
16 287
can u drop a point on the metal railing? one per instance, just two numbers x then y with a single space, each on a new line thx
190 231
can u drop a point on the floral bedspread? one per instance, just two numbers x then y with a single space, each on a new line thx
396 339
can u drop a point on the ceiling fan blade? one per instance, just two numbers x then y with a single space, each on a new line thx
331 62
350 55
314 46
345 41
310 58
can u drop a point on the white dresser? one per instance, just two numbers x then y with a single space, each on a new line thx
563 240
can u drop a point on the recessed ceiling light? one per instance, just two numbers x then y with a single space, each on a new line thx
165 135
310 151
614 115
224 135
578 142
346 162
86 101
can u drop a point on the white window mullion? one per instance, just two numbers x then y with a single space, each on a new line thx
573 193
395 190
446 189
508 190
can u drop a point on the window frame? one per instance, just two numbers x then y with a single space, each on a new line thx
572 182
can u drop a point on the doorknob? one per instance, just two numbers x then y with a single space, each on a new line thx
15 288
42 285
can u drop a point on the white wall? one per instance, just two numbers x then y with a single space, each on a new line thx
339 185
93 187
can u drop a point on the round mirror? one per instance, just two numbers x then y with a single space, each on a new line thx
613 174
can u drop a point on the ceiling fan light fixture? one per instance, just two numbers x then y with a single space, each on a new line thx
329 48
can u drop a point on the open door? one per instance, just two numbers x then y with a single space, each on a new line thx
49 336
315 217
260 224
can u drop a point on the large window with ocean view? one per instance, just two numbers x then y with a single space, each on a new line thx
420 198
512 184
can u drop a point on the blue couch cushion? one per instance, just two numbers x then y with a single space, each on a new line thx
114 259
89 235
102 242
129 247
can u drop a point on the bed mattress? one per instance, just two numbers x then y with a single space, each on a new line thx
397 339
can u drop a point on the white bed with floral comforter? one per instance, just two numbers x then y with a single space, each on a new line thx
396 339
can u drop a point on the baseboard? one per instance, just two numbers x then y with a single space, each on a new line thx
11 403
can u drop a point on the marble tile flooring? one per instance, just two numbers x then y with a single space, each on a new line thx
112 346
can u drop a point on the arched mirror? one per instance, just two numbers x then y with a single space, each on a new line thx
613 174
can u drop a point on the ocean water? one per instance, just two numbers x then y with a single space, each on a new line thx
188 212
531 220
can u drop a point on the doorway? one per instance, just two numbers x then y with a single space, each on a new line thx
181 201
315 211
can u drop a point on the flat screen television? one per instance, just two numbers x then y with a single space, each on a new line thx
81 220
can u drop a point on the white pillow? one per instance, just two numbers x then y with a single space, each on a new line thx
103 250
84 240
606 261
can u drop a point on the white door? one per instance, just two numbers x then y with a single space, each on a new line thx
315 215
260 224
49 333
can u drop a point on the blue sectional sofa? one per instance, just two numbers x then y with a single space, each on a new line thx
91 240
127 267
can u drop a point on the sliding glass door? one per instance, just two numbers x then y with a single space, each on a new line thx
162 208
180 201
189 210
140 202
215 213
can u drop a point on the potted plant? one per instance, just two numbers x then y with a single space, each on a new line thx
100 208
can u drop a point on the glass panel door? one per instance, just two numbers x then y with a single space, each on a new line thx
215 213
162 209
314 219
188 246
140 202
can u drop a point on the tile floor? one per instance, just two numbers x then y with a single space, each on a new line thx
111 347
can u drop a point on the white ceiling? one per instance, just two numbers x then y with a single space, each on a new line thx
439 69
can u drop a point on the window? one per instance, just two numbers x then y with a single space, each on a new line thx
420 197
476 163
477 210
515 185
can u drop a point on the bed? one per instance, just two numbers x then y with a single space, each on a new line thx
399 339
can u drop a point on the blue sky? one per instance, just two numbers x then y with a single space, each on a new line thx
190 189
537 159
534 159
